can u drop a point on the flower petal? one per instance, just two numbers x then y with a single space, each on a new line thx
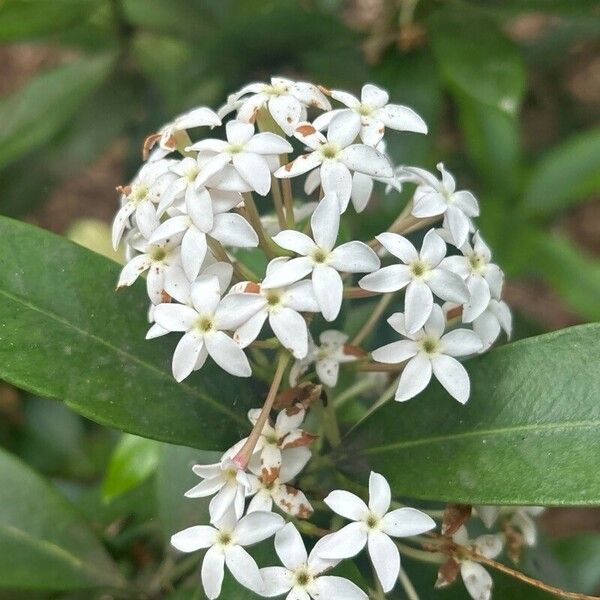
175 317
453 376
277 581
205 294
193 252
186 354
385 558
329 290
396 352
294 270
296 241
194 538
448 286
212 572
418 303
325 222
414 378
346 504
243 567
380 494
336 179
344 543
406 521
257 527
268 143
255 170
232 229
290 329
401 118
461 342
477 580
354 257
344 128
331 587
364 159
250 330
433 248
236 309
387 279
374 96
228 354
300 165
398 246
290 547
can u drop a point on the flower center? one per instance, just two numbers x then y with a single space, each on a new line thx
429 345
372 521
365 110
224 538
273 300
419 269
205 324
329 151
139 193
319 255
276 90
191 174
476 262
302 577
158 254
235 148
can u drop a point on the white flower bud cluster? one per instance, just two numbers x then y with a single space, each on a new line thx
187 221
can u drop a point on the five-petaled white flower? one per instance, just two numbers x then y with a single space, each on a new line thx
230 484
207 216
302 573
483 278
421 274
373 526
337 156
246 151
369 116
161 260
204 324
434 197
429 351
282 306
225 544
140 197
285 100
266 490
320 258
327 357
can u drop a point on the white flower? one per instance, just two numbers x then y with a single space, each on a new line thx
285 100
275 438
230 484
207 215
484 279
139 199
225 545
421 274
429 351
520 517
320 258
369 116
336 156
476 579
302 574
266 490
373 526
362 185
327 358
204 324
282 306
197 117
161 260
434 197
244 150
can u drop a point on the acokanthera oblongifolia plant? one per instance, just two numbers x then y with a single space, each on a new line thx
194 203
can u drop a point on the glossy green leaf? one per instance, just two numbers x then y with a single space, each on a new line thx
566 175
44 543
66 334
133 461
477 58
580 557
25 19
31 116
528 434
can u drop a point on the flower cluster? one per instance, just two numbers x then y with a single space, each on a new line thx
191 218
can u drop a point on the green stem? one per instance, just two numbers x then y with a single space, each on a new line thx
421 555
254 219
373 319
409 588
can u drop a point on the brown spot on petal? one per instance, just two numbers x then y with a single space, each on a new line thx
304 511
306 130
325 90
148 144
269 475
304 394
454 312
447 573
289 166
455 515
514 543
304 440
252 288
171 143
164 297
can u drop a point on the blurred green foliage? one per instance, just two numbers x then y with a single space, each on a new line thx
125 67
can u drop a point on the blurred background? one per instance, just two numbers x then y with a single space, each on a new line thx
510 90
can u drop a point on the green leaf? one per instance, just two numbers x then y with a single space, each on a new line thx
44 543
133 461
566 175
575 276
66 334
528 434
33 115
476 58
580 556
25 19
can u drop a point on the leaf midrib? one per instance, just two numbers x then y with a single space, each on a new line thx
48 547
191 390
481 433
